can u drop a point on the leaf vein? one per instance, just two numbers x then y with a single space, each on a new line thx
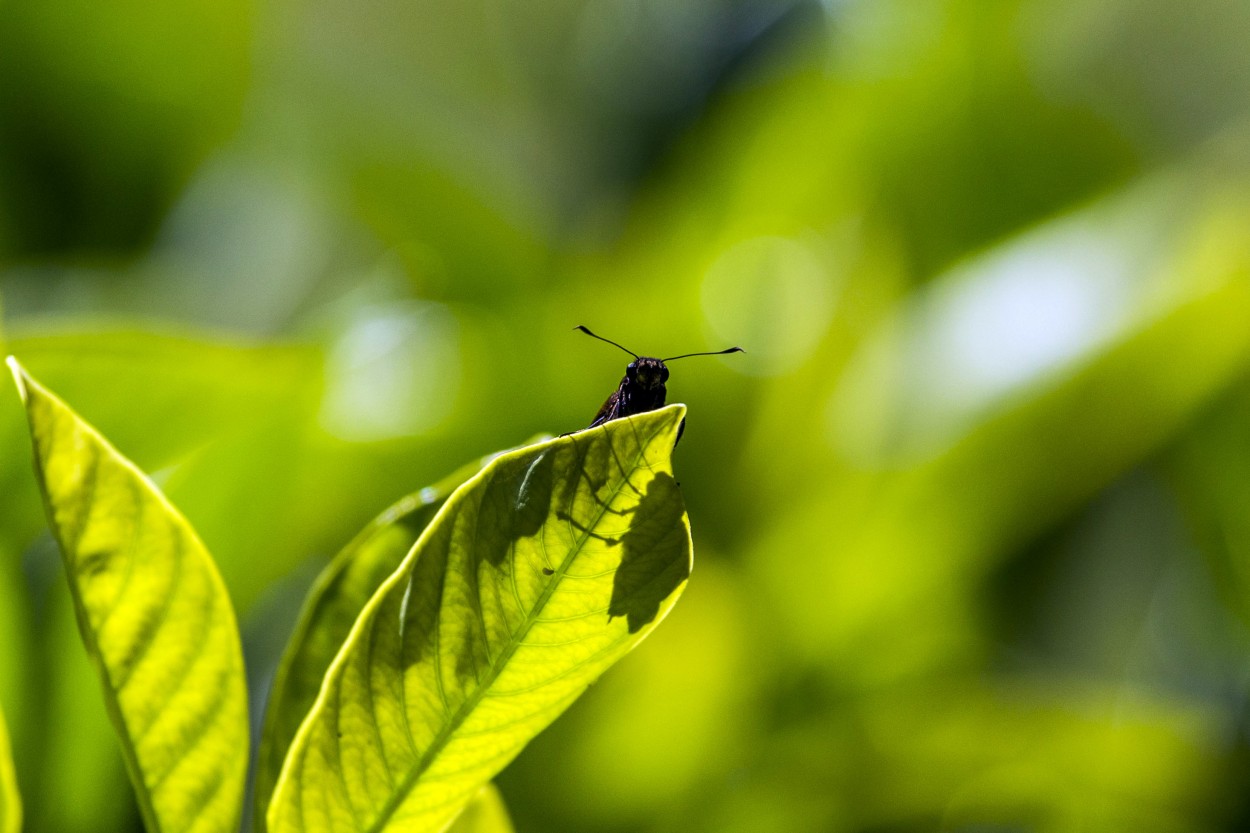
457 718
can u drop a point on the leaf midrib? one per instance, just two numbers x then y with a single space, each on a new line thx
470 703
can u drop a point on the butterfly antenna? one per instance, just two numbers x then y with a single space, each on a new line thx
716 353
601 338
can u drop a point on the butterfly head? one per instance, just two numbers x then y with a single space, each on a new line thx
647 373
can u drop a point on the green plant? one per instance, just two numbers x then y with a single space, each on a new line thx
452 630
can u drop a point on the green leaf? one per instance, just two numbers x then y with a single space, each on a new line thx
486 813
536 576
155 618
10 801
332 607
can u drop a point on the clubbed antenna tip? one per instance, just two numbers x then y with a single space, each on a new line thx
714 353
587 331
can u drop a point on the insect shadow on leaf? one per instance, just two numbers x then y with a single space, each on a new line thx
653 552
654 561
595 485
459 556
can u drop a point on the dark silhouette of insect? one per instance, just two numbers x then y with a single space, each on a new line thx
642 389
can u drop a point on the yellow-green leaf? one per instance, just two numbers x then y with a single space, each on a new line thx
10 802
155 618
534 577
340 593
486 813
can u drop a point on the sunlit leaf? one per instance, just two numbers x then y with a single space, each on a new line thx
155 618
536 576
486 813
331 609
10 802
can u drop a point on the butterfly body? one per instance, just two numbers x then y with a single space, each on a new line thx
642 389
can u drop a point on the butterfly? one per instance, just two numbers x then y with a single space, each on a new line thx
642 389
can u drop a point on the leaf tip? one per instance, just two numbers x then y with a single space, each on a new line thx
678 411
19 376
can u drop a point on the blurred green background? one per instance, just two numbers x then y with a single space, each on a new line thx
972 515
